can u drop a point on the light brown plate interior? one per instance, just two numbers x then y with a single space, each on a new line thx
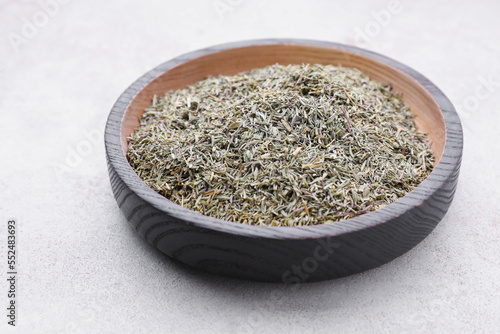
428 116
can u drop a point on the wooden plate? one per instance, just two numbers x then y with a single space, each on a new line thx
286 254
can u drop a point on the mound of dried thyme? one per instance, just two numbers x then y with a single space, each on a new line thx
282 145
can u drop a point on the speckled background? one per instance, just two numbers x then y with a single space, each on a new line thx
82 269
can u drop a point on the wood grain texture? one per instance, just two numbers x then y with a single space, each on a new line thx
286 254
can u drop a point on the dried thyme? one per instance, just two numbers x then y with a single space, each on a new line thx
282 146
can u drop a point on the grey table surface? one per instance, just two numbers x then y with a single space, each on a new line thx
82 269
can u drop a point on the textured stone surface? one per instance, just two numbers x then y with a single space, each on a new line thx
83 269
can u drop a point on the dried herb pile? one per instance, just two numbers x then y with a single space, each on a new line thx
282 145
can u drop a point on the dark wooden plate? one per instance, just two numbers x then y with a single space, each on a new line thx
286 254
